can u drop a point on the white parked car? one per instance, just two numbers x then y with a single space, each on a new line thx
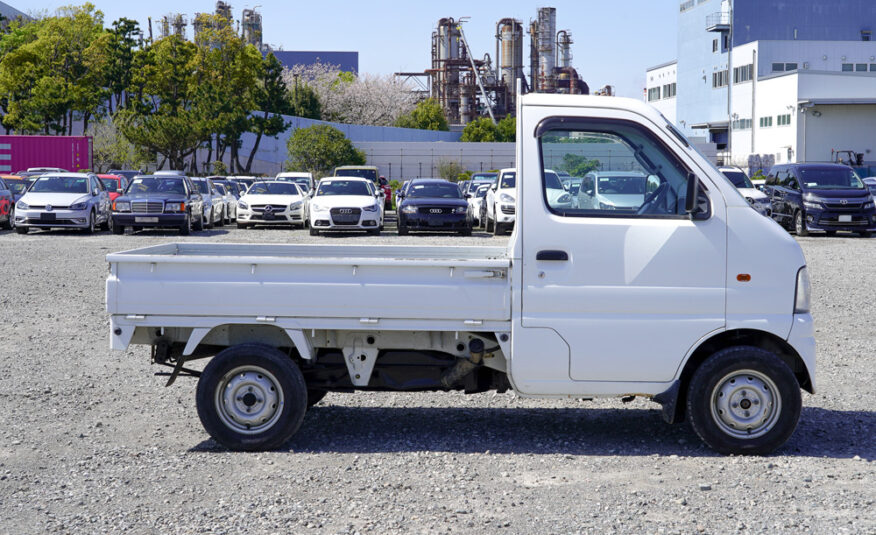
302 178
346 203
557 196
501 202
64 200
622 191
273 203
230 212
476 200
759 200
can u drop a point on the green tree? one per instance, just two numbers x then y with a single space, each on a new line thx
577 165
507 129
450 170
427 115
123 39
111 150
320 148
480 130
273 100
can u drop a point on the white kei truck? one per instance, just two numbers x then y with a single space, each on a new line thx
692 299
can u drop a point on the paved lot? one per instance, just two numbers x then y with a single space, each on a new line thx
91 441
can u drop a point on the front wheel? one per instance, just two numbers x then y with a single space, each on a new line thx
22 230
864 234
210 221
251 397
744 400
313 231
799 224
488 224
199 223
118 229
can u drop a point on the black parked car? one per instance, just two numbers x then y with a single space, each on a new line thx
827 197
159 201
433 204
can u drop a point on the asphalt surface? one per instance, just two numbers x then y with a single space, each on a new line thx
92 442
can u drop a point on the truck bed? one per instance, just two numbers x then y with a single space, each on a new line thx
365 283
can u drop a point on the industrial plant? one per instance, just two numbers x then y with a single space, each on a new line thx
249 26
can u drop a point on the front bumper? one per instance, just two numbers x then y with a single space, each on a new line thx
848 221
506 213
133 219
58 218
326 220
802 339
260 217
435 221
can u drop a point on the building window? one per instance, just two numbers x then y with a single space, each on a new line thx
686 5
714 45
783 120
726 42
865 35
766 122
742 74
653 94
778 67
848 67
873 67
742 124
790 66
719 79
861 67
669 90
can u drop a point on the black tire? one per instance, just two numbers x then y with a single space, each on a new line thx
22 230
226 217
118 229
402 230
830 232
108 224
466 232
10 223
498 229
740 375
186 228
209 223
242 225
314 232
136 229
315 396
199 223
91 225
799 225
253 377
864 234
488 224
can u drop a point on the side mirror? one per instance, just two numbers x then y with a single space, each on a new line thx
494 187
468 195
692 197
95 193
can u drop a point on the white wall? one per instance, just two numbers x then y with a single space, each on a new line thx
839 127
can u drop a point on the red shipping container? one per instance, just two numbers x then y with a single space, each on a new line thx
17 153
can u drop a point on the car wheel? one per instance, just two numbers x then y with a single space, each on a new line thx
199 222
864 234
108 224
744 400
314 232
799 225
10 223
402 230
209 224
22 230
374 232
488 224
242 225
186 228
220 221
830 232
118 229
226 217
91 225
251 397
466 232
498 228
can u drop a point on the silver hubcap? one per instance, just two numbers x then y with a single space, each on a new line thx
746 404
249 400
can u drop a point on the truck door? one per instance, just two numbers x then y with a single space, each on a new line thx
631 283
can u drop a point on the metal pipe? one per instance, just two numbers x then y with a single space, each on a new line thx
476 73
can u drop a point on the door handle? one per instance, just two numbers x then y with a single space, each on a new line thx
549 255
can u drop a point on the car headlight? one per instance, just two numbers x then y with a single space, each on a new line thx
803 296
121 206
506 198
372 208
22 206
604 206
175 207
409 209
242 204
812 205
295 205
868 205
460 210
79 206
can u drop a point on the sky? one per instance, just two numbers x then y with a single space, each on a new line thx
614 40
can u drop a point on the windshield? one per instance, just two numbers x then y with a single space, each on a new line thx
484 177
621 185
273 188
482 191
370 174
441 190
60 184
111 184
343 187
476 185
150 184
552 180
829 178
221 189
302 181
16 187
509 180
738 179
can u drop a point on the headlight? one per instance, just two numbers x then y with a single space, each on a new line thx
175 207
409 209
372 208
79 206
295 205
812 205
803 297
868 205
460 210
121 206
603 206
22 206
242 204
506 198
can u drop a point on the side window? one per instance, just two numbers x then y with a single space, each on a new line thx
792 182
95 185
626 170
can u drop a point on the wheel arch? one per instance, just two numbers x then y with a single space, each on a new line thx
233 334
725 339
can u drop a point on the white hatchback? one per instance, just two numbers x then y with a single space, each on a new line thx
346 203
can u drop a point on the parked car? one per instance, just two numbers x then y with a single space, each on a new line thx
501 202
115 185
17 185
432 204
346 203
826 197
64 200
476 202
619 191
156 201
127 173
233 187
230 204
302 178
214 204
870 183
7 206
270 202
463 186
557 196
756 198
44 170
244 181
370 172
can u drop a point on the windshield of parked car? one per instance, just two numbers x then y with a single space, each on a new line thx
149 184
202 186
441 190
552 180
60 184
482 191
16 186
302 181
484 177
621 185
829 178
343 187
273 188
370 174
509 180
738 179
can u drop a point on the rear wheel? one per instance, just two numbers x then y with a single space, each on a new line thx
118 229
108 224
10 223
799 224
744 400
251 397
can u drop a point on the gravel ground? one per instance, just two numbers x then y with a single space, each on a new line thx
91 441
